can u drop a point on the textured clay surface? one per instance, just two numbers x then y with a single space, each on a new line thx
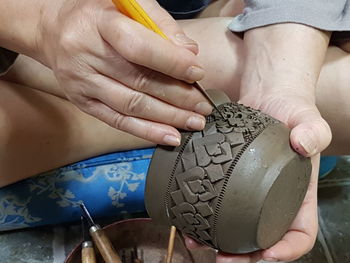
207 157
186 185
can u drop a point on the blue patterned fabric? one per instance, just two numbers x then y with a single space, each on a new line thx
109 185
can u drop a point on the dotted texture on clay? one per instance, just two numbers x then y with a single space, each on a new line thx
203 166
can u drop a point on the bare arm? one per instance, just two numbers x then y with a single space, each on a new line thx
282 67
20 21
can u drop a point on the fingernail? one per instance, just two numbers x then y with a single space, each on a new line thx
203 108
185 40
195 123
194 73
171 140
308 143
271 259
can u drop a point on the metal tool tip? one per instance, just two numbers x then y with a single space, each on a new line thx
86 214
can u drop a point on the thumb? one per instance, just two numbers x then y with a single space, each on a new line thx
310 133
168 25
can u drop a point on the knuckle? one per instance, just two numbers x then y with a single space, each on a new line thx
135 50
134 105
179 62
85 104
148 133
68 40
143 80
119 28
126 42
189 102
68 71
118 121
177 118
165 22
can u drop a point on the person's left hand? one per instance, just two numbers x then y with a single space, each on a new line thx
282 64
302 233
297 241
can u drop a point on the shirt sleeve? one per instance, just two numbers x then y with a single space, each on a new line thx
7 58
327 15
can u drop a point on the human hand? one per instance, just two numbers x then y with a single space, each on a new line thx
116 70
282 64
302 233
296 242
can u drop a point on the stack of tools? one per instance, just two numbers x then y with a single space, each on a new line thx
87 247
141 240
94 234
132 256
102 242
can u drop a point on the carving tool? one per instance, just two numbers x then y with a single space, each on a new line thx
87 247
170 251
100 239
136 258
132 9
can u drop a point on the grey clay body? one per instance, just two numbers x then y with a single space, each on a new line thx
235 186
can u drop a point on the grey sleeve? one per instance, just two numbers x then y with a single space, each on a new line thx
7 58
330 15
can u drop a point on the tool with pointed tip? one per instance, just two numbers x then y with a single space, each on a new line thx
87 247
100 239
132 9
136 259
169 255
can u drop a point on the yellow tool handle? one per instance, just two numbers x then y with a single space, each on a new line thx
133 10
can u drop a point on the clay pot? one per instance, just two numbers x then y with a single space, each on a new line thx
235 186
151 242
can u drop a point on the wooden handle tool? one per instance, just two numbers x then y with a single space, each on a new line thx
88 252
87 247
136 258
170 251
100 239
104 245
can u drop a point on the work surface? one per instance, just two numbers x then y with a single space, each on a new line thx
50 245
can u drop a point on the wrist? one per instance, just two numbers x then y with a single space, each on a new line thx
49 19
20 23
284 56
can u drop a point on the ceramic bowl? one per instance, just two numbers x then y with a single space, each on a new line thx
235 186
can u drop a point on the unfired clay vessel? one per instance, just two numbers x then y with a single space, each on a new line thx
235 186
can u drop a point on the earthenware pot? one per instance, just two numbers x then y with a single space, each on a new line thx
150 241
235 186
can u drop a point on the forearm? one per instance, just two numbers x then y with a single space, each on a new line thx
20 24
284 56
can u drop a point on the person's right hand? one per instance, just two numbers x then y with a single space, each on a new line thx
122 73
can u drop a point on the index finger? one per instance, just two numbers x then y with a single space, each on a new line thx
142 46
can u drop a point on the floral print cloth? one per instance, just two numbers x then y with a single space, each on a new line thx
109 185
